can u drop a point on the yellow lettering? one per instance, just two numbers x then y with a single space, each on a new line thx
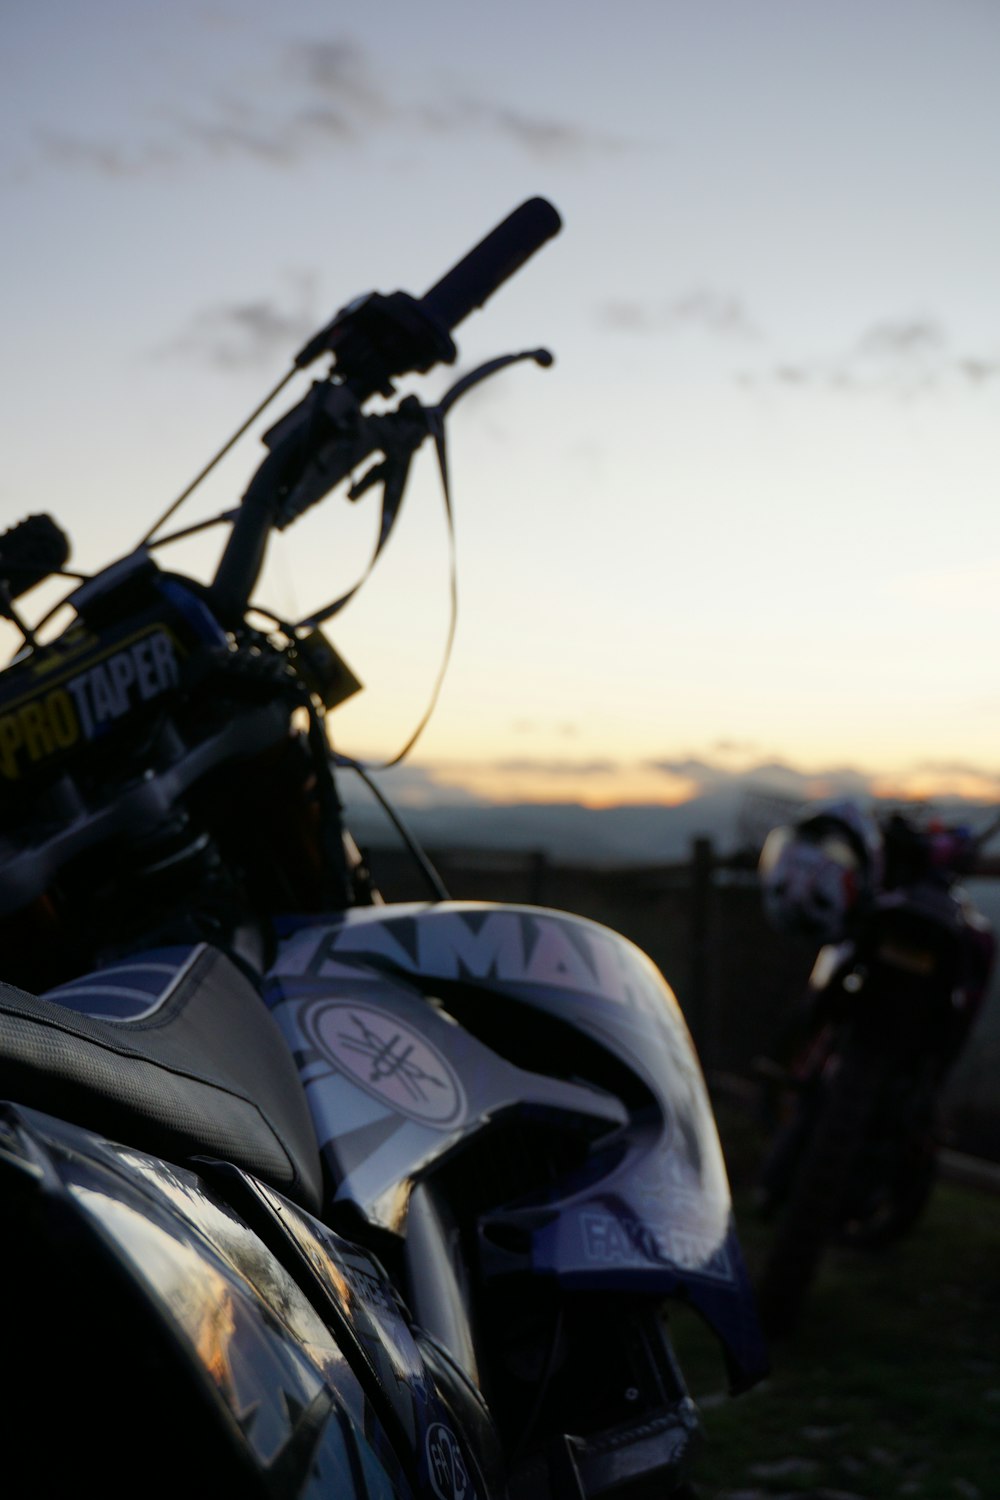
35 731
62 719
10 741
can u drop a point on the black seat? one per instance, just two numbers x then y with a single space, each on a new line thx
206 1074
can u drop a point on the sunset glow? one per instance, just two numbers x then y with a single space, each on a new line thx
746 521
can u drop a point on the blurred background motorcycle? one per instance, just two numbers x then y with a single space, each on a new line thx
852 1086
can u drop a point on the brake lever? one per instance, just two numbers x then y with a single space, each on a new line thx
354 436
542 357
351 437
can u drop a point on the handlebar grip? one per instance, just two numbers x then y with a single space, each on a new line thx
486 267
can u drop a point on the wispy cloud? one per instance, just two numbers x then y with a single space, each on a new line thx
777 777
907 356
543 136
745 801
770 784
564 729
413 786
322 94
710 311
239 335
539 766
737 806
910 340
238 130
81 153
958 768
338 71
977 370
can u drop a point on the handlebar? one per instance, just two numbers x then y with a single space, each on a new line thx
492 262
377 336
373 340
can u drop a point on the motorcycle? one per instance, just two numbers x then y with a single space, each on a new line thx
853 1089
304 1192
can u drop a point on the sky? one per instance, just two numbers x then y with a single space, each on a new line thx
747 520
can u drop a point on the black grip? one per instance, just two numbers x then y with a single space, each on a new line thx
504 250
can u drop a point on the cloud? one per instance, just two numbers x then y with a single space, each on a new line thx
717 312
539 766
763 794
765 779
978 370
411 786
791 375
240 335
79 153
542 136
702 771
773 778
710 311
735 805
957 768
564 729
239 131
321 94
907 339
338 70
904 356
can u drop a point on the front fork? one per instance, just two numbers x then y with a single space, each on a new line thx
584 1389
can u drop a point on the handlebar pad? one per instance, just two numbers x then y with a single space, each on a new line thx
486 267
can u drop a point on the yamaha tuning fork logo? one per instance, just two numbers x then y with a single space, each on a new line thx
388 1060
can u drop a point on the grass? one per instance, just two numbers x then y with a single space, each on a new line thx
891 1384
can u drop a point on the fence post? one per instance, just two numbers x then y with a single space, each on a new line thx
702 1006
538 877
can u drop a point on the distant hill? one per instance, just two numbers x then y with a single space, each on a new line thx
565 831
654 833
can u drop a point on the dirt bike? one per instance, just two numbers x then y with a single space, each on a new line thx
303 1192
853 1093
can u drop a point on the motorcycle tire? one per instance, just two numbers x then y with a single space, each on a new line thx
894 1206
814 1208
784 1151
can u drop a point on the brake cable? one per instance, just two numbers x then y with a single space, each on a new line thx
399 442
213 462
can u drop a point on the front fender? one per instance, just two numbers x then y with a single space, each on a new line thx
397 1087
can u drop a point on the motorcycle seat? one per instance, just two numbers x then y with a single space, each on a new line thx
206 1073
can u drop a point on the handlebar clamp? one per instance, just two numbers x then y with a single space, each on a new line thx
380 336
